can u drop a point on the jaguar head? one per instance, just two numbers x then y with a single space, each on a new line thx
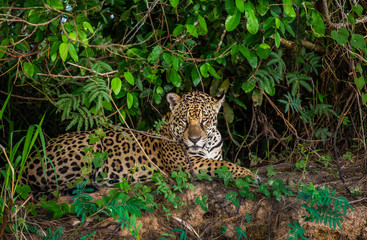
193 118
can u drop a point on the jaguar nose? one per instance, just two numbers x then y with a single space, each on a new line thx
194 139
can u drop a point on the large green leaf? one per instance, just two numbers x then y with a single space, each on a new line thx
63 50
130 100
175 78
341 36
195 76
240 5
318 24
212 71
204 70
4 42
129 78
277 39
232 21
263 7
167 57
230 6
359 82
28 68
192 30
178 30
288 8
154 55
116 85
174 3
268 85
249 55
73 52
203 23
249 85
87 26
252 23
358 41
228 112
364 98
57 4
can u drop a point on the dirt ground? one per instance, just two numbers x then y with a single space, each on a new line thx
270 218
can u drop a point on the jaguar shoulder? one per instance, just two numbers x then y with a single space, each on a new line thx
190 133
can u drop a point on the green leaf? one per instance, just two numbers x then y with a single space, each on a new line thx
229 5
2 51
63 50
359 82
159 90
212 71
257 97
57 4
318 24
116 85
202 201
204 70
192 30
264 46
28 68
23 190
341 36
288 8
252 23
262 53
277 22
224 174
224 86
264 189
277 39
249 55
167 57
174 3
237 101
364 98
98 159
154 55
232 196
178 30
130 100
232 21
358 9
73 52
93 138
87 26
175 62
263 7
228 113
352 19
129 78
358 41
195 76
203 23
240 5
72 35
175 78
268 85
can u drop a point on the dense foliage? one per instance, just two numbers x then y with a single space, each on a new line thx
293 72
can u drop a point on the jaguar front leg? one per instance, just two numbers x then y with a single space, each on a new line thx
211 165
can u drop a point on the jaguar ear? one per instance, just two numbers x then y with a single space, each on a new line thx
217 102
173 100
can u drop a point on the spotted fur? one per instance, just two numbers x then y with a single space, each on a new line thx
192 122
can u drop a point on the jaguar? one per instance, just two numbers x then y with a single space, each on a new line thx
187 141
